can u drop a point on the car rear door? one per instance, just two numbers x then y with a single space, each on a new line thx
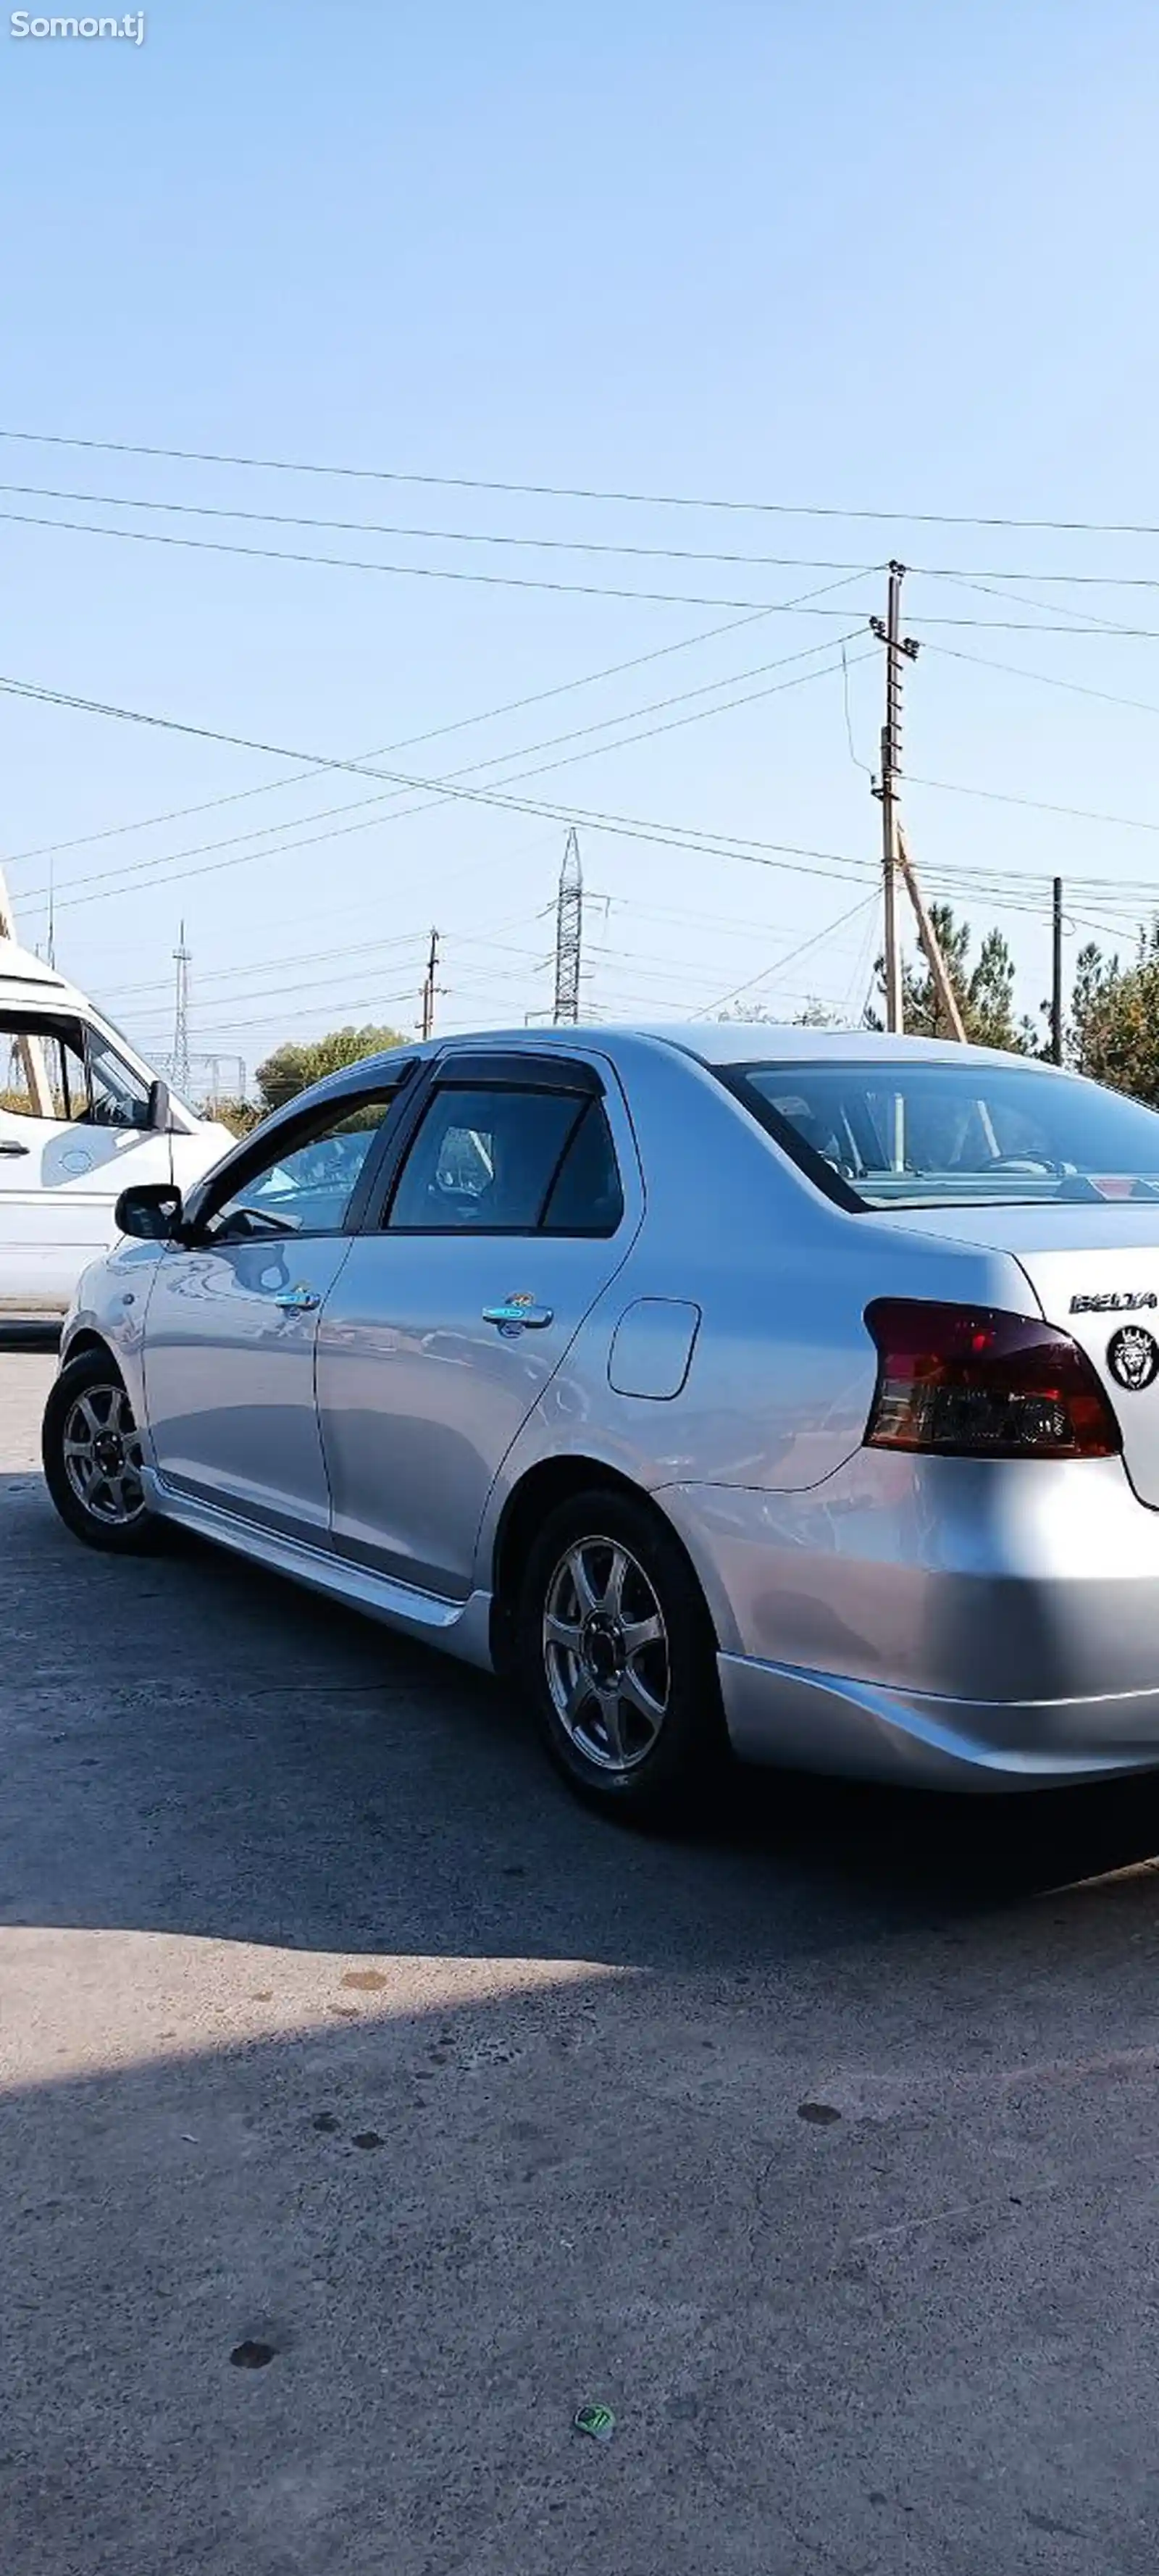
233 1316
517 1200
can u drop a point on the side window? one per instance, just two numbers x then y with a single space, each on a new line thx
93 1085
586 1196
118 1097
485 1160
307 1180
42 1072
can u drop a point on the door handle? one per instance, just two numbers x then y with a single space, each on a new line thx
514 1316
9 1146
297 1301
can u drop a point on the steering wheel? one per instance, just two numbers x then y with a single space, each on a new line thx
1022 1163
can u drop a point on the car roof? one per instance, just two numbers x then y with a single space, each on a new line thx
764 1042
729 1042
710 1042
25 978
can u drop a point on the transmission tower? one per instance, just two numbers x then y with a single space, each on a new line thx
569 925
183 960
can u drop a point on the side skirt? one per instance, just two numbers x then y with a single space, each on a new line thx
461 1628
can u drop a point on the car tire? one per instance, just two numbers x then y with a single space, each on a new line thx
92 1458
615 1652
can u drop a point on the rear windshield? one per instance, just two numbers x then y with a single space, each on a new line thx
944 1135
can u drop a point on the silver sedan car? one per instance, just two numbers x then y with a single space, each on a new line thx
748 1388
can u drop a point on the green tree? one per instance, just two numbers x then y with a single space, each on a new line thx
293 1067
238 1115
1114 1018
816 1015
984 991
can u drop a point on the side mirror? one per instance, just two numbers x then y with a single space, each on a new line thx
158 1118
151 1210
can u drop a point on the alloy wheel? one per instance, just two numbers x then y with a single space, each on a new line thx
101 1448
605 1653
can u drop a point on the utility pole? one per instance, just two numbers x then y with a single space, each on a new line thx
569 925
1056 974
888 631
182 959
935 960
430 987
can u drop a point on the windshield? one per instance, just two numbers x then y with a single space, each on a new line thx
939 1135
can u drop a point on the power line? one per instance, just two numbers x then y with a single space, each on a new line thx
1034 804
443 788
1082 622
1049 679
778 855
273 786
776 969
338 1001
309 1010
357 805
363 949
863 765
478 976
975 574
410 742
323 986
371 905
416 572
586 492
434 536
527 581
680 837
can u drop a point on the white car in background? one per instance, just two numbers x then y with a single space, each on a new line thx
81 1115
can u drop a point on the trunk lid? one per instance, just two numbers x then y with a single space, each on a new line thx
1095 1273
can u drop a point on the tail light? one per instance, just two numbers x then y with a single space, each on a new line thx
974 1382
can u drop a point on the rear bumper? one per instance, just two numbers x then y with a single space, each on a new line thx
980 1623
809 1721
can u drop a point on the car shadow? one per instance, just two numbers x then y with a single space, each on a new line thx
195 1746
313 2261
29 1333
369 2106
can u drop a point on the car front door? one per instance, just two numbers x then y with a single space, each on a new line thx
516 1202
233 1317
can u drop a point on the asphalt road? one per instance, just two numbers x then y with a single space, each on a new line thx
821 2149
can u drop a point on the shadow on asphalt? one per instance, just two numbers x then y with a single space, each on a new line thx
447 2212
451 2213
858 1846
204 1749
27 1334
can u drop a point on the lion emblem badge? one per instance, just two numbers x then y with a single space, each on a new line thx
1133 1357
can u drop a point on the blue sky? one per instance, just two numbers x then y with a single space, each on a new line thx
898 257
